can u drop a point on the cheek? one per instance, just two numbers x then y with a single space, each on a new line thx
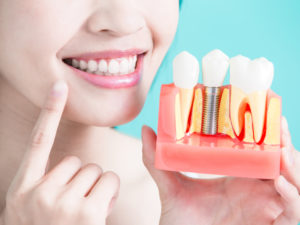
162 18
31 34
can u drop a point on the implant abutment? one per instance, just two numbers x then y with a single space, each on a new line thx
211 110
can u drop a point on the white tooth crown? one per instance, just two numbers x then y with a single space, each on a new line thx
185 70
107 67
250 81
214 65
251 76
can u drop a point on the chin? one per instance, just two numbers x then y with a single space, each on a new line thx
111 111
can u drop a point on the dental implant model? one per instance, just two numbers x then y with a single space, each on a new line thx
215 65
238 135
186 75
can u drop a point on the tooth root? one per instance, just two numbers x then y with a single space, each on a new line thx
196 120
257 102
178 120
273 122
248 138
186 100
237 109
224 123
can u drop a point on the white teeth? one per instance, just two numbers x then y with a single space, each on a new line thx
251 76
75 63
107 67
92 66
124 66
131 65
82 65
254 78
103 66
114 67
185 70
215 65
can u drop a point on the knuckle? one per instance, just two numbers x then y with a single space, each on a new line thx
93 167
43 198
72 160
39 138
113 179
51 107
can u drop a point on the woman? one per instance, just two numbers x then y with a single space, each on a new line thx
102 56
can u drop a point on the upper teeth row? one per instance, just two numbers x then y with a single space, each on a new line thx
119 66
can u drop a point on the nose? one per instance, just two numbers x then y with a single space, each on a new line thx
116 18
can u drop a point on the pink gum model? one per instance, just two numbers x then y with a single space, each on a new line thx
219 154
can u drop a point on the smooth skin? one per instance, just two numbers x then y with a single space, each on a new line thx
229 200
69 193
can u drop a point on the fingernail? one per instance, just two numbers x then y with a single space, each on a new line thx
59 88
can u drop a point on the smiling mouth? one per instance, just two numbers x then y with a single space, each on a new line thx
106 66
114 69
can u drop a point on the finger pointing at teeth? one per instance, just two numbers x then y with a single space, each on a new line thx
35 160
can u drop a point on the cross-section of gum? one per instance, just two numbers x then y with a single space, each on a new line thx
219 154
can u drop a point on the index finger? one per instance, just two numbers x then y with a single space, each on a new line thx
35 159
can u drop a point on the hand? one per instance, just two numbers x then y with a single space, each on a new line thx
68 194
228 200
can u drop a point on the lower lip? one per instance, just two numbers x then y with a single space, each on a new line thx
114 82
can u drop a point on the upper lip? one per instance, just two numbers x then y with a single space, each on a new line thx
108 54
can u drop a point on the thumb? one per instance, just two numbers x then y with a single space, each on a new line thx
166 181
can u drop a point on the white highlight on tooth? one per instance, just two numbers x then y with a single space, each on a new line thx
185 70
114 67
215 65
92 66
82 65
251 76
103 66
75 63
124 66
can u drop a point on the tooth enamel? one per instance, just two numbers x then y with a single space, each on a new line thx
114 67
215 66
131 65
75 63
124 66
92 66
103 66
250 81
82 65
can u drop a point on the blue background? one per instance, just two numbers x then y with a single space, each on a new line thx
268 28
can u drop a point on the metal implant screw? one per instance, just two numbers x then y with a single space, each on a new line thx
211 110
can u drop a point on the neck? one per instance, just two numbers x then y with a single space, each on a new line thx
101 145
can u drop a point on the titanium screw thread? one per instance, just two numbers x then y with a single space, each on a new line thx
211 110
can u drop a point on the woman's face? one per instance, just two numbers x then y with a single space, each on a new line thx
40 39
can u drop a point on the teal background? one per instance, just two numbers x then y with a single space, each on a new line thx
268 28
